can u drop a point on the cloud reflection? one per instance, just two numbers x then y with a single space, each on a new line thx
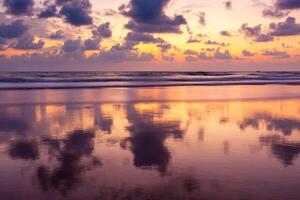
148 138
98 150
285 125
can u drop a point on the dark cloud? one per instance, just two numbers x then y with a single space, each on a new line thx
103 31
228 5
255 33
91 44
247 53
274 12
190 52
71 45
149 16
14 30
218 55
287 4
286 28
263 38
211 42
172 27
19 7
58 35
226 55
115 55
27 43
275 53
142 37
164 47
225 33
250 31
124 52
74 12
193 40
50 11
77 12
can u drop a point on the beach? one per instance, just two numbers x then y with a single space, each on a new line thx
149 100
183 142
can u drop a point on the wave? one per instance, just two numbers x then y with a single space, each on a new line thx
63 80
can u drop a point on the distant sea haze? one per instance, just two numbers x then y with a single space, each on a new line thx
63 80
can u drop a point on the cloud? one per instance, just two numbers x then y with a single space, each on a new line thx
58 35
202 19
14 30
193 56
142 37
287 28
275 53
19 7
208 49
71 45
91 44
228 5
191 59
164 47
218 55
190 52
74 12
168 58
287 4
77 12
225 33
193 40
115 55
204 56
50 11
274 12
247 53
263 38
250 31
171 27
125 52
226 55
149 16
255 33
103 31
211 42
27 43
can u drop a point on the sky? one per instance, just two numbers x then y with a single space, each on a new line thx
200 35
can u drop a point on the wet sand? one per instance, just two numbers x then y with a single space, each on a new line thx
208 142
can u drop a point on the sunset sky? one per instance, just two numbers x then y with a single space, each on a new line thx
150 35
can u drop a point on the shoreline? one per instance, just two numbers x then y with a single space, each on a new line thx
146 86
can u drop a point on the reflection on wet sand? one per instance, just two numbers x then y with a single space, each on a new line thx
154 150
